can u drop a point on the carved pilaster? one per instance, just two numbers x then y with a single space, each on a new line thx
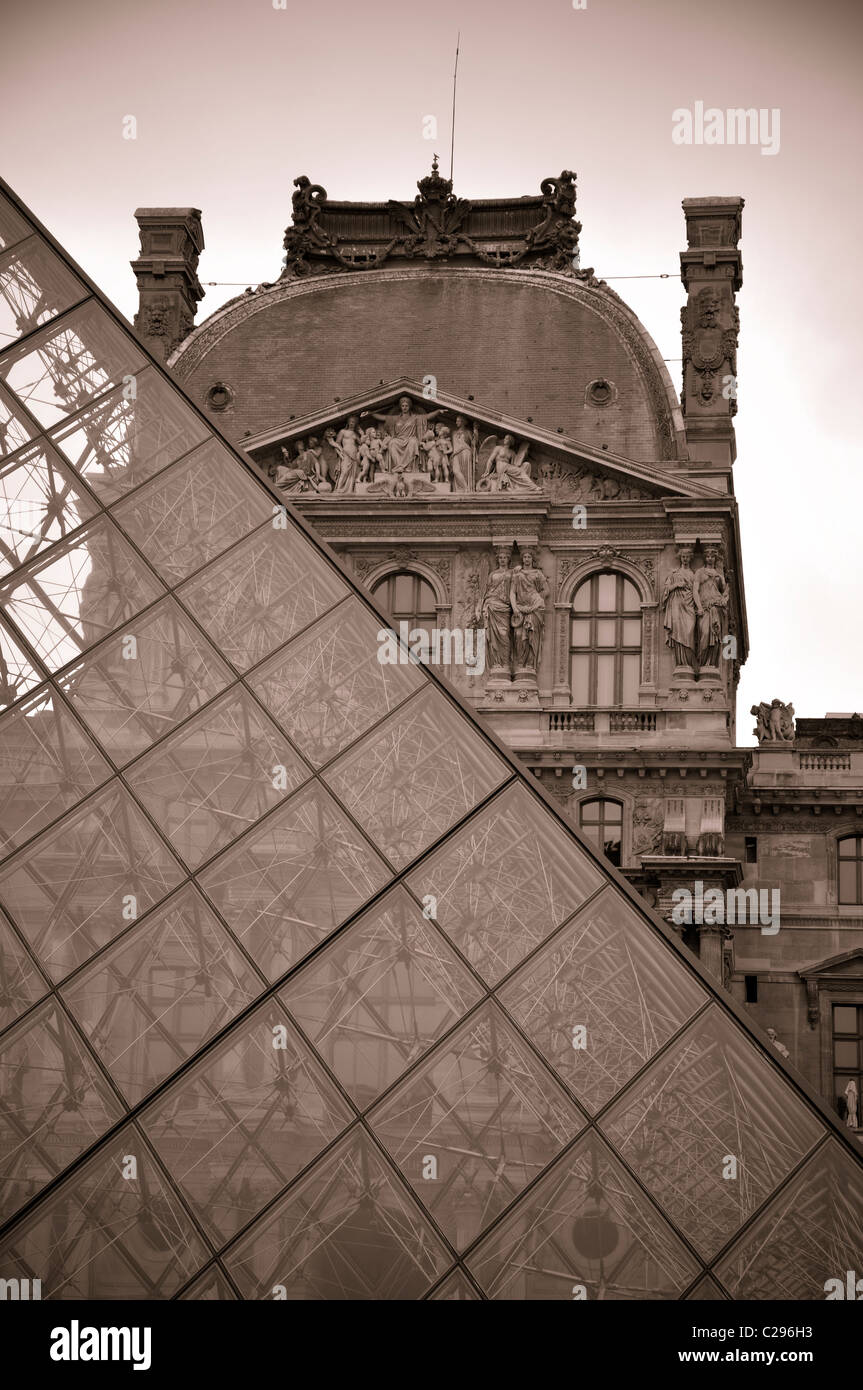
169 290
711 269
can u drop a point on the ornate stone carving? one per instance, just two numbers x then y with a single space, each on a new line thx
505 468
529 595
711 595
775 722
680 608
647 821
496 610
709 342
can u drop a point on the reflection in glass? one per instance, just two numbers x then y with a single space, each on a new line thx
711 1097
601 997
35 286
54 1102
78 593
82 883
327 686
475 1124
215 777
40 502
346 1231
21 983
504 881
585 1231
378 997
293 879
158 994
245 1121
130 693
415 775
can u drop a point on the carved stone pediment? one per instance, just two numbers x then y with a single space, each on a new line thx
406 441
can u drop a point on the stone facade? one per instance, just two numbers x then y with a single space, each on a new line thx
445 394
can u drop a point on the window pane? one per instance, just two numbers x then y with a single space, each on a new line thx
377 999
581 680
613 811
504 882
607 972
631 678
632 632
631 597
62 368
82 883
55 1102
194 511
245 1121
846 1054
346 1231
410 779
607 593
294 879
78 593
489 1116
35 286
47 765
581 601
101 1235
590 812
327 686
653 1128
156 996
40 502
605 694
216 776
142 682
848 879
587 1222
850 847
580 632
606 632
845 1019
130 434
261 593
403 593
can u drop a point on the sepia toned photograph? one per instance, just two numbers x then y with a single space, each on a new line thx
431 748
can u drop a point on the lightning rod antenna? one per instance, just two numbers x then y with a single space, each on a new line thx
454 81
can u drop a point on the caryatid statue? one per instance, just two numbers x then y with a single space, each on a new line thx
711 594
528 596
681 610
495 610
405 428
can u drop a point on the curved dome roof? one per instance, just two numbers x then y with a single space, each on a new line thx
529 343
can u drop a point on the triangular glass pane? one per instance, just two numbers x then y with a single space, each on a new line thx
703 1131
474 1124
21 982
346 1231
116 1229
585 1232
378 998
809 1235
249 1117
602 997
41 501
35 286
504 881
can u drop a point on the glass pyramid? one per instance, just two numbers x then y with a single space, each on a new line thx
306 992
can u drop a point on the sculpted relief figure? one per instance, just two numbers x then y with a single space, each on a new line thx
464 445
506 470
405 427
528 596
774 722
496 612
346 445
711 593
681 610
306 472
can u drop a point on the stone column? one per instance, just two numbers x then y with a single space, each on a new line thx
169 290
712 271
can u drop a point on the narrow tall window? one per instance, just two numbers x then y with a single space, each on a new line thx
606 641
851 869
602 822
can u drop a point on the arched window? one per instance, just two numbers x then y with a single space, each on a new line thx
606 641
602 823
409 598
851 869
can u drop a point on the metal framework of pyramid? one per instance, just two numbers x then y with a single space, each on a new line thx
306 990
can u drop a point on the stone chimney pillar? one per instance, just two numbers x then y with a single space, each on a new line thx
711 268
172 239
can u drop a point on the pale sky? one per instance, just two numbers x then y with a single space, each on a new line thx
234 98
